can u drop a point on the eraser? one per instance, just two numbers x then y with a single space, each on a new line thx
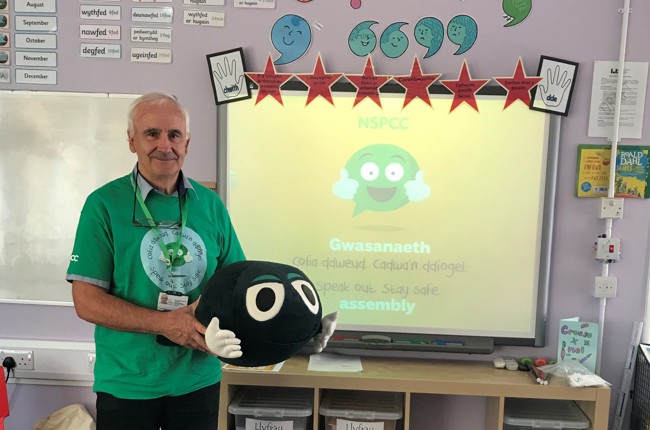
511 364
499 363
376 338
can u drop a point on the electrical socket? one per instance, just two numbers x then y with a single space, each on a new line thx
91 362
608 249
58 362
605 287
611 208
24 358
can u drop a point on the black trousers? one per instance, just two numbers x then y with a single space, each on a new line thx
198 410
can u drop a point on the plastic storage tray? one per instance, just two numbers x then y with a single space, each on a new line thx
271 405
543 414
640 418
361 407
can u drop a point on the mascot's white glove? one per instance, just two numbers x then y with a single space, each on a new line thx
329 325
417 189
345 187
222 343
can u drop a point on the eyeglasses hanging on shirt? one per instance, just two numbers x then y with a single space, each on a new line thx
148 221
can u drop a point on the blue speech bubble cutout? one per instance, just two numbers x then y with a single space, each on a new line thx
462 30
429 32
362 40
393 42
291 37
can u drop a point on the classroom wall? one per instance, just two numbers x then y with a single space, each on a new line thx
581 30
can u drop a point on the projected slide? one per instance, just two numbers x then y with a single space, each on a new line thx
410 220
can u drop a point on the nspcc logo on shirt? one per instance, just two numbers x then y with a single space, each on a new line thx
188 262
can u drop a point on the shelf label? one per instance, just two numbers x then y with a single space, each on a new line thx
351 425
254 424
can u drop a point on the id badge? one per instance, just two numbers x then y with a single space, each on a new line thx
171 301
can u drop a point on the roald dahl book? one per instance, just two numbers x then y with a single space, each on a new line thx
632 171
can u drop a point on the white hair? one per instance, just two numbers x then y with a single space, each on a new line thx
156 98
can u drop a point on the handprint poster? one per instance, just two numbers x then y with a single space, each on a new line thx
554 91
227 72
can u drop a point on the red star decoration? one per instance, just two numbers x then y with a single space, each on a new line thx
319 82
269 82
416 84
368 84
518 86
465 88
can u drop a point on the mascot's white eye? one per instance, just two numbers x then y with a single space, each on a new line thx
394 172
369 171
263 301
308 294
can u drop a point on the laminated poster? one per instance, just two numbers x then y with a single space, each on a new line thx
578 340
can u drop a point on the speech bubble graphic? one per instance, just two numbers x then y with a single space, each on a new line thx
291 37
381 177
462 31
362 40
429 32
393 41
516 11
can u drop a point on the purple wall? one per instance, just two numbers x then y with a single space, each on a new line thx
580 30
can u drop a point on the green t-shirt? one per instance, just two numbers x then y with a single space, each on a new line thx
113 253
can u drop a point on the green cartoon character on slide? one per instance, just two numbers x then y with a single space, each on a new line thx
381 177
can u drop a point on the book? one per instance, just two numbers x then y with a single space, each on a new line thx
578 341
632 171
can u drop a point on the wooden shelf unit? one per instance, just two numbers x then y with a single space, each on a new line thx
411 376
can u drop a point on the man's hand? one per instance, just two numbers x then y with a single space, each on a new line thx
184 329
95 305
222 343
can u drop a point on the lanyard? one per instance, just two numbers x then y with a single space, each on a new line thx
170 252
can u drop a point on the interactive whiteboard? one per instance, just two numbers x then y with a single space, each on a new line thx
417 223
